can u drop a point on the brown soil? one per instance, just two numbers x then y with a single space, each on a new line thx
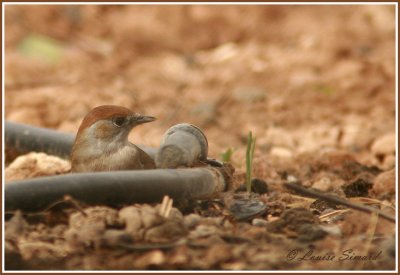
315 85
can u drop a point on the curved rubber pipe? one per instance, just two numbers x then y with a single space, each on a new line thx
182 145
114 188
22 138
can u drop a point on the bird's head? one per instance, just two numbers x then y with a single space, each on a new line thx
109 123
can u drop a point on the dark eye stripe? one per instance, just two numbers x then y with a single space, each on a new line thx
118 121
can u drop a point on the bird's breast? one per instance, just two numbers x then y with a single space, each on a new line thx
123 158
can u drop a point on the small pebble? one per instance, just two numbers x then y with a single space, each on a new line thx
191 220
385 183
34 165
249 94
323 184
291 179
205 112
389 162
279 137
332 229
259 222
281 152
384 145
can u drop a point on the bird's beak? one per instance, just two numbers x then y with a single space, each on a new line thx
139 119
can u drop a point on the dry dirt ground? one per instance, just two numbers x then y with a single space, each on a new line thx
315 85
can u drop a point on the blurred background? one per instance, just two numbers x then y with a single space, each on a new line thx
302 78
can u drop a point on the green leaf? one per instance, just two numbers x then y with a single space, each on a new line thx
227 155
41 47
325 89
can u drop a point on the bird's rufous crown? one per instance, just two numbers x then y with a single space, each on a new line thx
103 112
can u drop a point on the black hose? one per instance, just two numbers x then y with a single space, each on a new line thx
114 188
21 139
109 188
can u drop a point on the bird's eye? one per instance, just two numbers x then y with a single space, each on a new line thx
118 121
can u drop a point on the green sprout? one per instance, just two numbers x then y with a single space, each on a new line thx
227 155
251 143
325 89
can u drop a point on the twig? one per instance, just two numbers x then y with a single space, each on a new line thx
66 199
166 206
300 197
337 200
163 205
370 234
169 208
75 204
336 212
372 201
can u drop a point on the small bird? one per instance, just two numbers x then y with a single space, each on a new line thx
101 143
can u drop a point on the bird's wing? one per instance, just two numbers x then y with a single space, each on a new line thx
145 159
